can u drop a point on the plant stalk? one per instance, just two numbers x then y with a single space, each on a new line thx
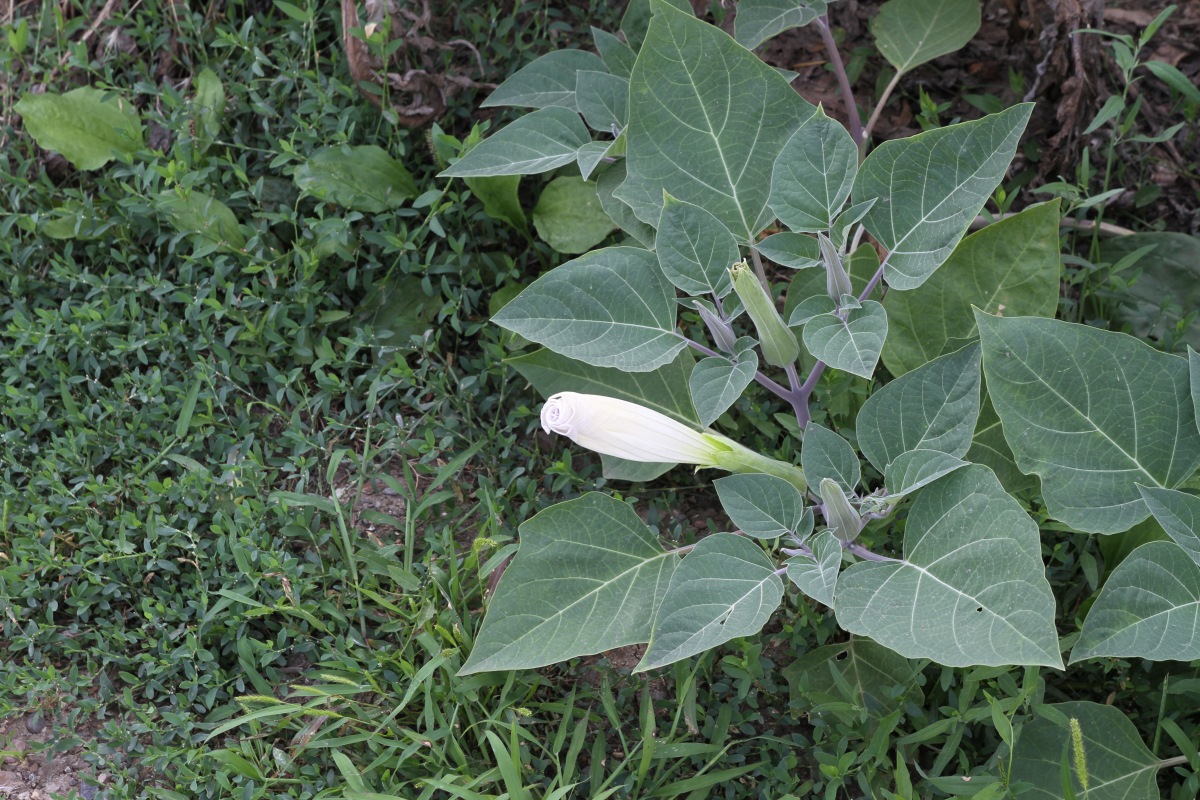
857 133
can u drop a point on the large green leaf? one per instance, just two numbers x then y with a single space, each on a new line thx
362 178
717 382
988 447
817 575
827 455
1167 287
1093 413
724 588
931 408
972 588
664 390
759 20
1010 268
609 308
911 32
813 174
546 81
537 142
764 506
694 249
1149 608
587 578
1119 765
851 344
569 217
706 135
930 186
89 127
879 680
1179 515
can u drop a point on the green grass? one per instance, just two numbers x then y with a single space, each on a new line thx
192 589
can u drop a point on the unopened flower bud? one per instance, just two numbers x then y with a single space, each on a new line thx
779 345
636 433
837 280
720 330
840 516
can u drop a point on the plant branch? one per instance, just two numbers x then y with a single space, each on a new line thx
887 93
857 133
758 269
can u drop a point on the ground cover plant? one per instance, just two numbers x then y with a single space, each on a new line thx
265 455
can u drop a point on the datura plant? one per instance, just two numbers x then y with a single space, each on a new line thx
985 406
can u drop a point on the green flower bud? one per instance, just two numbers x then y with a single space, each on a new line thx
720 330
840 516
779 345
837 281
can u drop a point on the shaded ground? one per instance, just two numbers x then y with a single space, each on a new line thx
1001 65
30 769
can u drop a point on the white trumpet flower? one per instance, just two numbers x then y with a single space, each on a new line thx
636 433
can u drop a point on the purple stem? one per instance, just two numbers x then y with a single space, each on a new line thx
856 126
865 554
762 380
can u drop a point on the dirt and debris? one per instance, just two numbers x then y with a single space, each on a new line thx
30 769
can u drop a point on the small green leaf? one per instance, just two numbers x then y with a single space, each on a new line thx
931 408
817 575
568 310
717 382
764 506
618 211
917 468
724 588
930 186
603 100
637 19
89 127
1166 290
361 178
500 198
537 142
546 81
827 455
988 447
851 345
793 250
202 215
813 174
694 249
911 32
569 217
972 588
1179 515
587 578
617 55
